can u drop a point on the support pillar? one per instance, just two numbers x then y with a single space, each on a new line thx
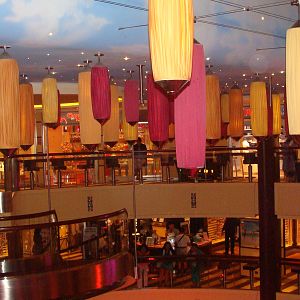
269 244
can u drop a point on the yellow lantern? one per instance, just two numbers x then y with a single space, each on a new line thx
130 131
293 79
27 116
9 104
50 100
276 103
90 129
236 113
111 127
213 108
259 108
225 108
171 34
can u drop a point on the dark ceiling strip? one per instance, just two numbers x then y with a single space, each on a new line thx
270 48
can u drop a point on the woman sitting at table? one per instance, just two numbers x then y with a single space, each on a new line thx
165 266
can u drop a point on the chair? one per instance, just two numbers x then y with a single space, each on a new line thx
89 165
113 163
224 266
251 268
58 164
30 166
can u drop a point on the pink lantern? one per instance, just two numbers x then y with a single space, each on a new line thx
190 116
158 113
100 92
131 101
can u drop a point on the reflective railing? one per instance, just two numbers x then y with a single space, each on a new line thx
37 242
222 164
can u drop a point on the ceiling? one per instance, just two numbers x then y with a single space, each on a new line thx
63 33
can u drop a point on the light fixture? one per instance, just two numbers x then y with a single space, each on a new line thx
50 34
48 54
59 60
262 18
82 53
126 58
244 75
208 58
281 72
171 36
124 69
273 74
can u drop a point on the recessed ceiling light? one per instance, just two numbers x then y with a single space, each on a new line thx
53 73
28 58
48 54
82 53
147 72
246 85
266 77
115 83
282 86
281 72
145 76
108 70
124 80
277 83
126 58
244 75
208 58
262 18
123 69
59 60
273 74
50 33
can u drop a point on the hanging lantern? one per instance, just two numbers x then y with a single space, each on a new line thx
9 104
100 88
236 113
190 115
213 108
111 127
171 34
276 105
158 113
55 125
90 129
49 99
259 109
131 100
27 115
130 131
293 78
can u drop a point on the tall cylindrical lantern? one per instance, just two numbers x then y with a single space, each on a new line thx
9 105
90 129
49 100
112 126
225 108
27 115
213 108
293 78
55 125
190 116
236 113
131 101
276 105
100 92
171 34
259 109
158 113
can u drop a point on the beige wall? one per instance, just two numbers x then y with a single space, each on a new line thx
153 200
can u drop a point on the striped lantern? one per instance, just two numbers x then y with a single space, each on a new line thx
276 105
236 113
112 126
49 101
213 108
293 78
190 115
131 101
171 34
27 115
9 105
90 129
158 113
100 92
259 109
